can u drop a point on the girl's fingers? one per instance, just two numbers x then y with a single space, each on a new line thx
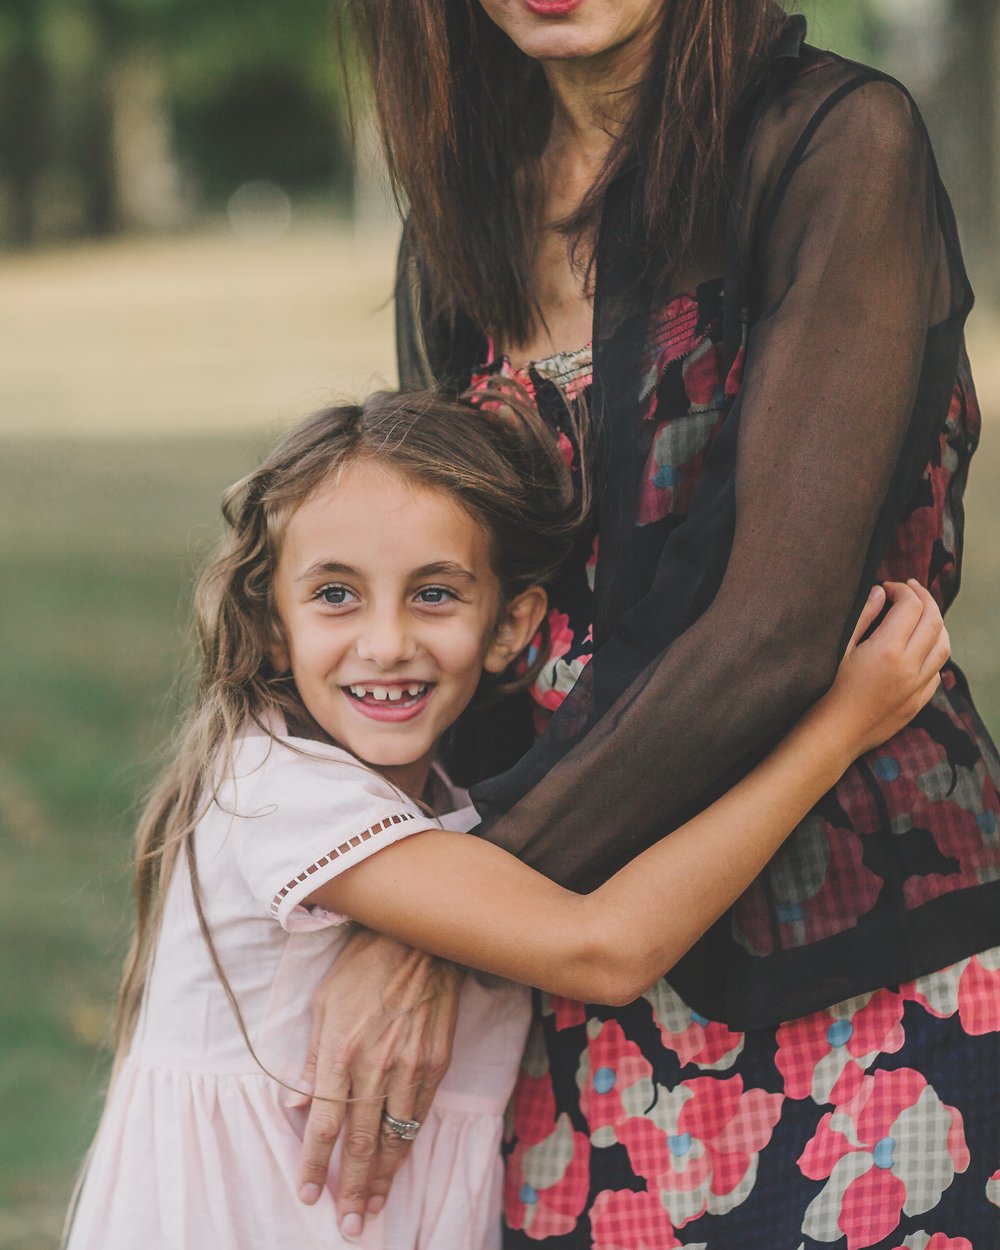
928 628
937 656
903 616
869 613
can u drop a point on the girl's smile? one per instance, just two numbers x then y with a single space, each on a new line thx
390 702
389 611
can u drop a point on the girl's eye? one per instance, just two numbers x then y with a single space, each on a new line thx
335 596
434 595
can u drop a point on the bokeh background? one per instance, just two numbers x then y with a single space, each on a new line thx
195 250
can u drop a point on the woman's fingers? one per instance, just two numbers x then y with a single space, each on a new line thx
409 1096
361 1138
326 1116
370 1025
404 1100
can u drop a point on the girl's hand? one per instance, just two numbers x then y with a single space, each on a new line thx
883 682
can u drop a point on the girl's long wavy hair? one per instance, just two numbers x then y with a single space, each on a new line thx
465 116
489 450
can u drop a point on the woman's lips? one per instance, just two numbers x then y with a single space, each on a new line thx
552 8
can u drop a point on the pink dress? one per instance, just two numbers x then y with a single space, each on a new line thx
196 1147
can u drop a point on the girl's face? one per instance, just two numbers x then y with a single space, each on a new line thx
562 30
389 612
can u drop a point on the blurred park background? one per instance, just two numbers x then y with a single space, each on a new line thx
195 250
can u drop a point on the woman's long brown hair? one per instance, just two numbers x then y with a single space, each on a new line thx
465 116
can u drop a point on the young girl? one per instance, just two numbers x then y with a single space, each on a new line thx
384 567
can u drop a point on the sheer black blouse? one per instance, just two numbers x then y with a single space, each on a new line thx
840 457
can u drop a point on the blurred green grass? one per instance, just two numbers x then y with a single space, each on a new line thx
98 543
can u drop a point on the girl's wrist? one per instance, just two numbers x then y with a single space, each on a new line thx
839 729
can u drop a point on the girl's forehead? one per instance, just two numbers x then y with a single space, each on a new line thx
371 513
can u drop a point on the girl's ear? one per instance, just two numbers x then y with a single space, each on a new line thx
517 627
277 652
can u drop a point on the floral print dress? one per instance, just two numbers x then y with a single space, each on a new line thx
871 1123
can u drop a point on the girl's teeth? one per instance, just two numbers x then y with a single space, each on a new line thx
387 694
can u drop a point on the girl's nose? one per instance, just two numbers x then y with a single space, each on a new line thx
386 640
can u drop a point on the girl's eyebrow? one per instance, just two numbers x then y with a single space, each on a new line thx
445 568
439 568
327 568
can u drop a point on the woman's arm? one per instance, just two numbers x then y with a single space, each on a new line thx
469 901
859 300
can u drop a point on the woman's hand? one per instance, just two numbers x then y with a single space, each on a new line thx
883 682
383 1023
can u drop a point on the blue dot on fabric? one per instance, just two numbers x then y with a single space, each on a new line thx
886 768
987 822
604 1080
667 476
882 1154
839 1033
788 913
697 1019
679 1143
529 1194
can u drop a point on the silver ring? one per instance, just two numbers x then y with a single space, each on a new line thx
406 1129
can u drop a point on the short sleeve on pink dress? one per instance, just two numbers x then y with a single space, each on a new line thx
303 812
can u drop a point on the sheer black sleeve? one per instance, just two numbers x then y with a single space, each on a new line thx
857 297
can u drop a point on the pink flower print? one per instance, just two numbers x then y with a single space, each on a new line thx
591 566
702 373
707 1044
547 1182
559 675
627 1220
699 1144
824 1056
894 1147
547 1177
940 1241
674 464
734 379
993 1189
971 988
560 634
615 1081
568 1014
818 884
566 450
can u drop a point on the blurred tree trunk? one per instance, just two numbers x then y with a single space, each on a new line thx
98 165
972 96
24 130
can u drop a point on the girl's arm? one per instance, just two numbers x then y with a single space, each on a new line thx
469 901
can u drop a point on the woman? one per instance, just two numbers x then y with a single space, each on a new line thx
738 250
